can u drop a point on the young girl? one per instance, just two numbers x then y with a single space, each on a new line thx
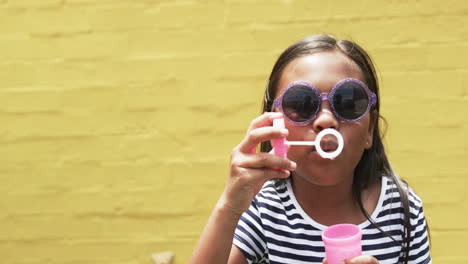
274 209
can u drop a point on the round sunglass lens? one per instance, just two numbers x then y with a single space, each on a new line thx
350 100
300 103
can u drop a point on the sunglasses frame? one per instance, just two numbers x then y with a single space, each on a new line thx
372 99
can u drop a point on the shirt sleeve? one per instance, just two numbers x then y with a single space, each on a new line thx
419 247
249 236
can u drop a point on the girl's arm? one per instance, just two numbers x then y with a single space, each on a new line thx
249 170
215 242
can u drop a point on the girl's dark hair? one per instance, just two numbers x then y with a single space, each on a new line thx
374 163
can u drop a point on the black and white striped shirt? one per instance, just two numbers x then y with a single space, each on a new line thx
275 229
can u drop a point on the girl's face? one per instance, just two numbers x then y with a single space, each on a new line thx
324 70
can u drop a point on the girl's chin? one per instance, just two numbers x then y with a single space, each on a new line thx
317 178
318 170
315 156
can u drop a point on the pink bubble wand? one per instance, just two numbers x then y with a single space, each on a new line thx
281 149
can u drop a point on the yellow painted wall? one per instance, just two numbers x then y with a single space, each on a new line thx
118 116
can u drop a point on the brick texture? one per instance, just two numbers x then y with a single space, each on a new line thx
118 116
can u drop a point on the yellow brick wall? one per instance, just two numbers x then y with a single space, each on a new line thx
118 116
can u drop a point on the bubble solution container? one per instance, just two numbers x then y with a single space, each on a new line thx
342 241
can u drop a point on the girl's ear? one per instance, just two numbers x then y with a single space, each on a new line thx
368 141
370 132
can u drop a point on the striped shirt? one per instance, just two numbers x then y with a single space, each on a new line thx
275 229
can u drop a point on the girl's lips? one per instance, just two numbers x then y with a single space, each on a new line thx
327 146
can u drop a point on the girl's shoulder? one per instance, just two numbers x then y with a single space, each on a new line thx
275 197
274 187
397 189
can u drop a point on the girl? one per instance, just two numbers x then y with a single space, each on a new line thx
274 209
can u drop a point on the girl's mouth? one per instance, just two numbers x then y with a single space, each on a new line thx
328 144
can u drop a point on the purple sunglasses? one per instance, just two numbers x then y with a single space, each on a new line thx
350 100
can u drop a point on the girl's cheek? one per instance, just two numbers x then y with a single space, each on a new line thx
296 133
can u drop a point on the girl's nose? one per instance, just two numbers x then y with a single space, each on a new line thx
325 118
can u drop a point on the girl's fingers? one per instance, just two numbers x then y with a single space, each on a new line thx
272 151
266 119
259 135
358 260
265 160
255 136
264 174
362 260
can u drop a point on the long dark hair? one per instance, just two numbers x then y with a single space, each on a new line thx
374 163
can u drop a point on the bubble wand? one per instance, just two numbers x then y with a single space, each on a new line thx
281 149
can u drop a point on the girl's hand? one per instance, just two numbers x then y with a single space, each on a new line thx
249 170
358 260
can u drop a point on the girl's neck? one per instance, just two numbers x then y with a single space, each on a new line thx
328 205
